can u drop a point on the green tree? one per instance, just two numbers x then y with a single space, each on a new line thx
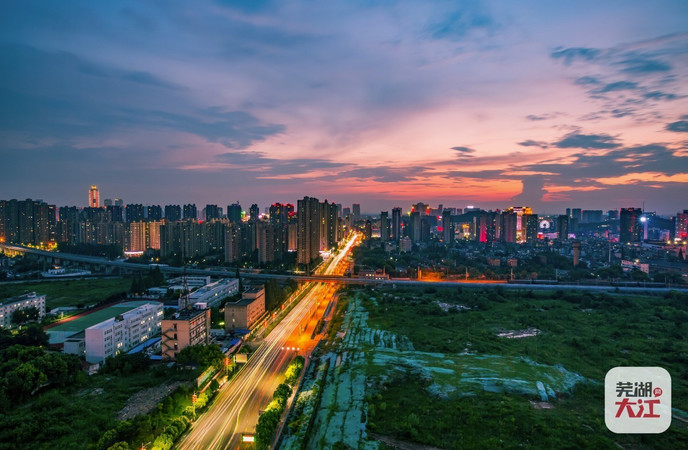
23 315
266 427
639 275
201 355
281 394
107 440
119 446
163 442
32 335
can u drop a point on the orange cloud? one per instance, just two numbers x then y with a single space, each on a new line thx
645 177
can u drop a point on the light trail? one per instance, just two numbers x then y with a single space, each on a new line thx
235 410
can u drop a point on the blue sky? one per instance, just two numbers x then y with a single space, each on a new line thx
582 104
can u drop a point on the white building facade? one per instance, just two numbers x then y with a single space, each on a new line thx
211 294
123 332
12 304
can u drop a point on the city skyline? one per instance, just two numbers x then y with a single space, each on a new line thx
223 207
478 103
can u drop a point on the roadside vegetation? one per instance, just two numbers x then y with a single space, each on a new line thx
269 420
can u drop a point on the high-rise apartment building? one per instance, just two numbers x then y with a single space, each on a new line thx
415 227
182 239
114 213
529 226
510 221
682 225
368 229
279 219
592 216
396 224
233 242
212 212
154 213
266 242
173 213
93 197
577 215
27 222
562 227
135 212
190 212
487 226
447 227
630 229
328 225
356 210
234 213
384 226
308 215
254 212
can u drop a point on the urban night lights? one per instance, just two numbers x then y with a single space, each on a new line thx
343 225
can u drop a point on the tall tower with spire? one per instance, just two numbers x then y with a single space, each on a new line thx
93 197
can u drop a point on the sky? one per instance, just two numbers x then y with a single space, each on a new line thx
384 103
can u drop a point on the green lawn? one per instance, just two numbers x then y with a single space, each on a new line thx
69 292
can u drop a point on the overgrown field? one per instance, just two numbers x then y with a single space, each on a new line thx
69 292
579 332
429 366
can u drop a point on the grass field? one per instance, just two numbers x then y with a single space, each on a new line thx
69 292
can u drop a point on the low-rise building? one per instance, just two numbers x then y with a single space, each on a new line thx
244 313
373 274
192 282
628 266
187 327
123 332
108 331
211 294
8 306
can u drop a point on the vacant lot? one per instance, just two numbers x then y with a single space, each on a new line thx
488 369
439 400
69 292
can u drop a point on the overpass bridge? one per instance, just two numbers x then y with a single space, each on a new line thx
114 267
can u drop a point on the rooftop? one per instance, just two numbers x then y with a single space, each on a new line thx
253 290
242 302
187 314
21 298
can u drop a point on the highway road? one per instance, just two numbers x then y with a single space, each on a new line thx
334 277
236 409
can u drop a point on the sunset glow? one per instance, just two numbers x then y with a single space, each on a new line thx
491 103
